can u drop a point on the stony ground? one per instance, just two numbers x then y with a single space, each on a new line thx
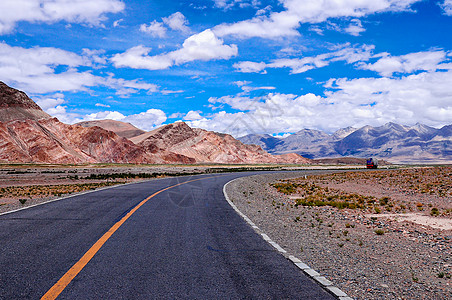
368 255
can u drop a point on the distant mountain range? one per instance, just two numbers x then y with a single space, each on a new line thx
393 142
28 134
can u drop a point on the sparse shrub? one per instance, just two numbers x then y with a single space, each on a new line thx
379 232
285 188
22 201
441 274
384 201
420 206
434 212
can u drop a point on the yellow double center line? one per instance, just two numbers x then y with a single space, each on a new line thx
64 281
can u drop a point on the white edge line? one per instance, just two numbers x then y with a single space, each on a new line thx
322 281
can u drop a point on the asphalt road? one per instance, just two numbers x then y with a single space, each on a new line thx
184 243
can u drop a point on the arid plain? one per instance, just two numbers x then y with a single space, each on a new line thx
377 235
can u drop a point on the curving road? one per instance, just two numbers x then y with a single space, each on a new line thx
185 242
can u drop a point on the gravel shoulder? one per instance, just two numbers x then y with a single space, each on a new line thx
406 260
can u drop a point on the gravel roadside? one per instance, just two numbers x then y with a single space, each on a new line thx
402 263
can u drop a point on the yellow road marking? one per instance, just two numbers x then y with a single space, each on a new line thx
64 281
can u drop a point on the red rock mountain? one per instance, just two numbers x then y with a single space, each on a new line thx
206 146
50 141
28 134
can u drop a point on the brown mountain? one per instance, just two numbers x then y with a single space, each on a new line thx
126 130
206 146
28 134
50 141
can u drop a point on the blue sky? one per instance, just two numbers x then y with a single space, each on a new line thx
235 66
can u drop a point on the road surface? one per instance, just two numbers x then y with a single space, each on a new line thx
184 242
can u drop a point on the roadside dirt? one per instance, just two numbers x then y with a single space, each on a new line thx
331 223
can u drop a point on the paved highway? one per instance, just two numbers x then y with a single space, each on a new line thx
184 242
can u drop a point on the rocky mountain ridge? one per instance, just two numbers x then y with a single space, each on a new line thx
207 146
28 134
393 142
16 105
50 141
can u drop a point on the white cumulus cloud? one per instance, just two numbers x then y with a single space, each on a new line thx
154 28
228 4
355 27
51 11
47 103
286 22
425 97
137 58
177 21
34 70
53 105
192 115
419 61
447 7
203 46
146 120
350 54
250 66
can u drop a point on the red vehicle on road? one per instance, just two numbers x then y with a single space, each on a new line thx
372 163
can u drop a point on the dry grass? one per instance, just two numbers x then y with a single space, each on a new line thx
41 191
325 190
434 181
314 195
